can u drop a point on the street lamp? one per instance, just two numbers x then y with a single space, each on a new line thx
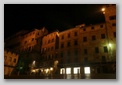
103 10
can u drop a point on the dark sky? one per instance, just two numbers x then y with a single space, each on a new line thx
52 16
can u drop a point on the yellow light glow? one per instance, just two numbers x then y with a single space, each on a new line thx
46 70
109 44
33 71
62 71
51 68
103 9
87 70
68 70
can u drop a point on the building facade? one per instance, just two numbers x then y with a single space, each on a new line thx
10 62
73 50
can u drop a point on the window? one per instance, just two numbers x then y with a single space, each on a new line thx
75 33
96 50
62 55
48 41
102 36
75 42
114 34
101 26
85 59
10 59
76 52
25 42
69 35
62 45
32 39
48 49
93 37
85 51
53 40
51 48
84 29
84 39
103 59
112 17
38 33
62 37
68 44
92 27
105 49
113 24
29 49
14 60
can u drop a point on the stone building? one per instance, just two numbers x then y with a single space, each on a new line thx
10 62
50 44
72 50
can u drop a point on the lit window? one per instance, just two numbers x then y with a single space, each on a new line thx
87 70
68 70
62 71
76 70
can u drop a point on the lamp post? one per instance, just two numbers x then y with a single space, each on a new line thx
107 35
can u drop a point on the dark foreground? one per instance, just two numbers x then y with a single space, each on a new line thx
95 76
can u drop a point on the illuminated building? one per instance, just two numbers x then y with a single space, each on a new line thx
10 62
89 48
50 44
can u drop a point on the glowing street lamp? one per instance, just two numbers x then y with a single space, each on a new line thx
103 10
110 44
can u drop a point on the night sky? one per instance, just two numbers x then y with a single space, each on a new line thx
51 16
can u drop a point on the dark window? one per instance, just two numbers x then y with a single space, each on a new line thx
93 37
29 49
48 41
85 59
10 59
68 53
32 39
68 35
38 33
103 59
113 24
25 42
53 40
92 27
62 55
68 44
102 36
76 52
114 34
101 26
62 45
75 34
84 39
48 49
62 37
96 50
14 60
112 17
51 48
105 49
84 29
85 51
75 42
